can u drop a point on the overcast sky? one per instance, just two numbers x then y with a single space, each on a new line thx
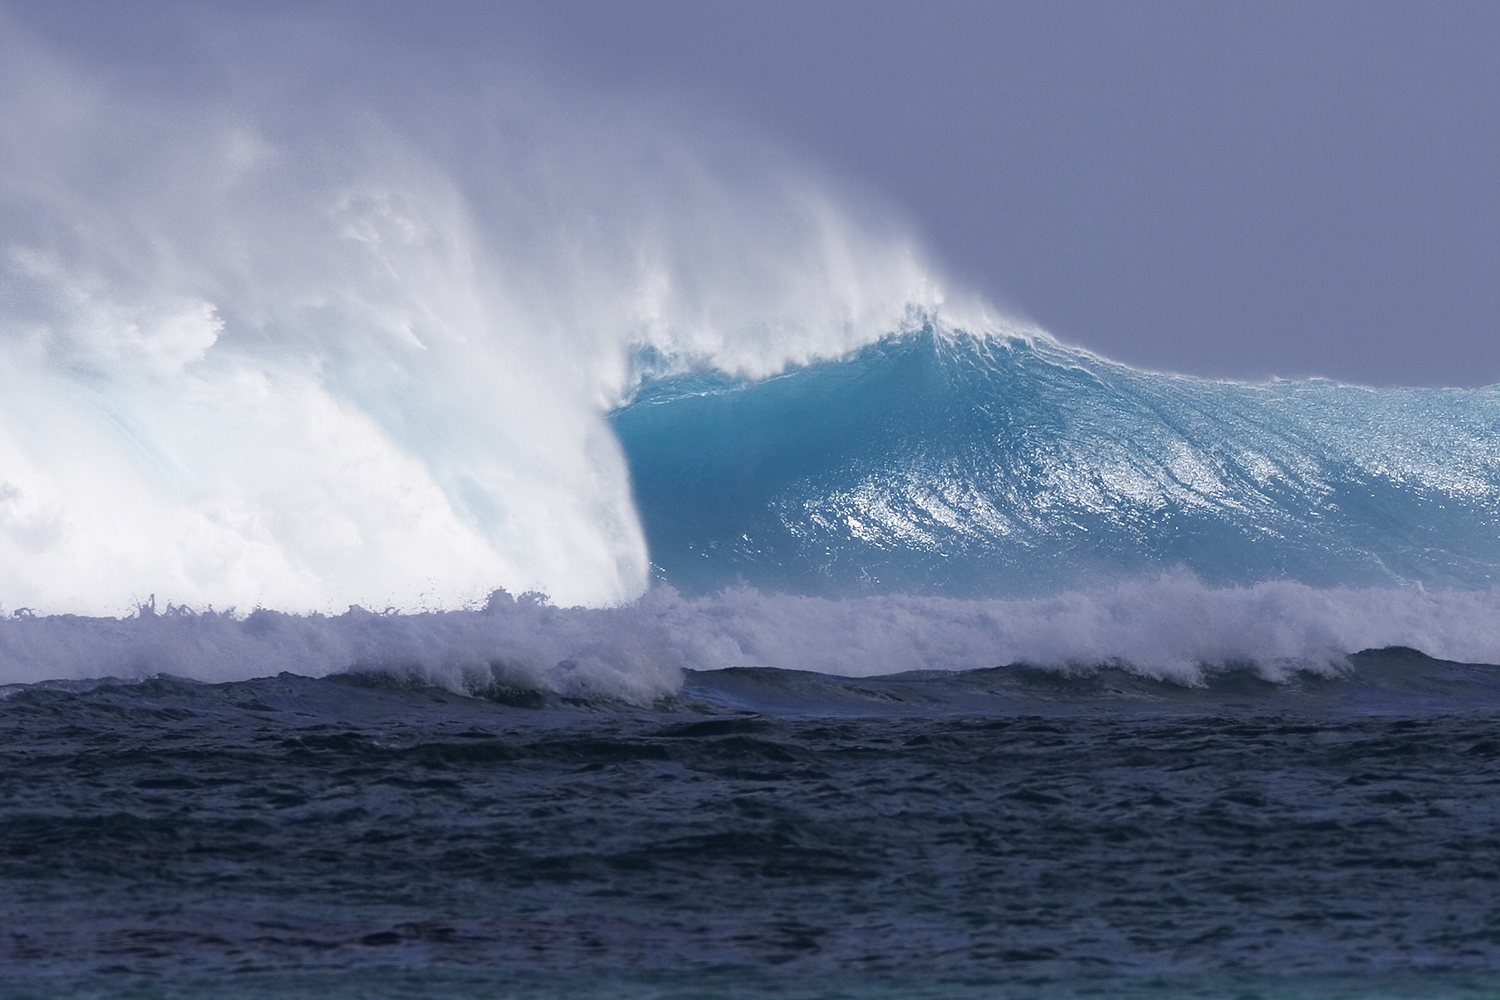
1235 190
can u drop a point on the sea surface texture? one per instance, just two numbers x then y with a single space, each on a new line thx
1010 832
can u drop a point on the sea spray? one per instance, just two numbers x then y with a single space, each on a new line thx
288 342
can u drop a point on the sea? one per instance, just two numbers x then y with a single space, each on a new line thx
471 537
970 665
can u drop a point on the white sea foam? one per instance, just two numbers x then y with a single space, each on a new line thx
1171 628
296 346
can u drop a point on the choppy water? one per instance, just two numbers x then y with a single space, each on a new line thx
765 833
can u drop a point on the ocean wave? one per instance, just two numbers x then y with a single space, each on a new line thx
992 465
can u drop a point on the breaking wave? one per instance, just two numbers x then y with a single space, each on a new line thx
296 346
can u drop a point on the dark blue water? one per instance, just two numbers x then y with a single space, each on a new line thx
997 833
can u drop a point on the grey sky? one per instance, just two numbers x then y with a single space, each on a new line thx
1235 190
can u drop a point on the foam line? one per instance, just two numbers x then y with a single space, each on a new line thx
1172 628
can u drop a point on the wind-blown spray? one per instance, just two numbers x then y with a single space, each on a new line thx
290 347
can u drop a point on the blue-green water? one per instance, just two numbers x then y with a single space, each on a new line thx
991 466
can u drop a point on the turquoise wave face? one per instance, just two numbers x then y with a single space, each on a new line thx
984 466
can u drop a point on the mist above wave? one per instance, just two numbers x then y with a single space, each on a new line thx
283 340
1172 628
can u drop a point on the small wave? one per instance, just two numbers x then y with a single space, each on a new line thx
1395 680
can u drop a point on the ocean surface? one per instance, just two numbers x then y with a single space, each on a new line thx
1008 832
